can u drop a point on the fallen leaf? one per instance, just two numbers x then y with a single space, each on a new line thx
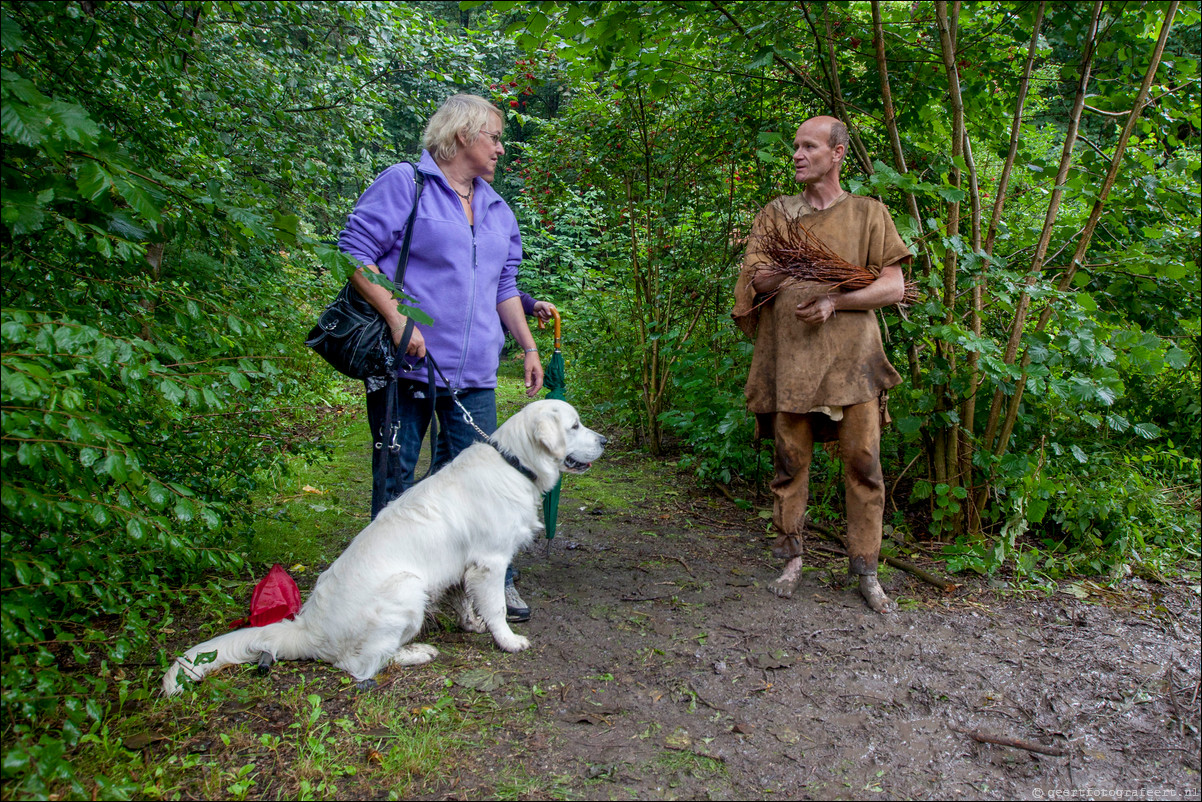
584 717
480 679
679 739
141 740
786 735
778 659
1077 590
312 489
742 728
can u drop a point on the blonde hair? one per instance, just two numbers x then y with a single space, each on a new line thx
458 114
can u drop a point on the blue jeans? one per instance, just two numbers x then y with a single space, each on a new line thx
394 460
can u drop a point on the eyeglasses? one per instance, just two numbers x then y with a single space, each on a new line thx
496 138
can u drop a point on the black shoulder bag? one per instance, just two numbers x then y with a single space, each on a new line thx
351 335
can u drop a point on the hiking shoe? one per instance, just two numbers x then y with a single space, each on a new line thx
516 610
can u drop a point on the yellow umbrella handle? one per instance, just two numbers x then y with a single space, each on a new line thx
542 324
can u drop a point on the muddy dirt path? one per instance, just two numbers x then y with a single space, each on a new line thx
663 668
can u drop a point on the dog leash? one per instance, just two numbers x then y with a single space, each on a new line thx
432 391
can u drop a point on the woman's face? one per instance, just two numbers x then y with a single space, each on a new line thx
480 157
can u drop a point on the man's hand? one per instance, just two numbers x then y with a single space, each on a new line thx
766 280
816 310
889 288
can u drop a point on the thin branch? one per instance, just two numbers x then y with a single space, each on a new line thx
804 79
1094 216
1005 740
1020 313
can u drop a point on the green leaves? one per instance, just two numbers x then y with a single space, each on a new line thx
157 281
31 118
93 180
11 36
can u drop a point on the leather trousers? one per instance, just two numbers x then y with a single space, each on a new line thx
859 437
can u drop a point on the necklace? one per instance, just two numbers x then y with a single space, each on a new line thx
468 196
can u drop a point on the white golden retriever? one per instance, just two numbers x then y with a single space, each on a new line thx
462 525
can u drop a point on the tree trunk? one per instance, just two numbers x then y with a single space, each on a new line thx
1020 313
979 493
1095 214
968 404
899 160
838 107
947 460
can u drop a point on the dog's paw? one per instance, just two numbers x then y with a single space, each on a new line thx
516 643
414 654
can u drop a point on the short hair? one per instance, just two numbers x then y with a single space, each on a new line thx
458 114
839 136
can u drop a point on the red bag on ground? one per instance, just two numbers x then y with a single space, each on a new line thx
276 597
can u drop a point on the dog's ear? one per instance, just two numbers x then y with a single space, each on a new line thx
548 431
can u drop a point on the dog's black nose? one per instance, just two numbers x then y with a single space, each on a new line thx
604 439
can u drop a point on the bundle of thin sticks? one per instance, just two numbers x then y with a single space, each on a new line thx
793 252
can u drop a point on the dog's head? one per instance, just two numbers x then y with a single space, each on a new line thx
548 437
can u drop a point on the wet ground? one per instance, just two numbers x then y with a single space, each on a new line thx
671 671
662 667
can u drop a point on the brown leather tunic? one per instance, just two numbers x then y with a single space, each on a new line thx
798 367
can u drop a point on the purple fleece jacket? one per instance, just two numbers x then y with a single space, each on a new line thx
456 274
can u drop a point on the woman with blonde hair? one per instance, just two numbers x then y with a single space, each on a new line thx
462 272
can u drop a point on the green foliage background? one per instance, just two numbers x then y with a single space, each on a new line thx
173 174
675 120
163 259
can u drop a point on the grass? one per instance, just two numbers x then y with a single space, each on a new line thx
313 509
687 762
303 732
236 736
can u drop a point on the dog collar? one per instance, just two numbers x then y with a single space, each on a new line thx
515 463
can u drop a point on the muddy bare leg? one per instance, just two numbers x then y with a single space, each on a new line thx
874 594
789 580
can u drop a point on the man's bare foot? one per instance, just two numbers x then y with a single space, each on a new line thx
789 580
874 594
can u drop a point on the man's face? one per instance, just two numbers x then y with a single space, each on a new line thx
482 154
813 156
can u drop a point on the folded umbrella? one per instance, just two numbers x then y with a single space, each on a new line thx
554 384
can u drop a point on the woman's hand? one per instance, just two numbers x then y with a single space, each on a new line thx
544 310
534 374
417 343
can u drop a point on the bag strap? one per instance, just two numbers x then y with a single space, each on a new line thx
399 283
419 181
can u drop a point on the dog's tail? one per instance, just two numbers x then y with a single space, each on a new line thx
284 640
